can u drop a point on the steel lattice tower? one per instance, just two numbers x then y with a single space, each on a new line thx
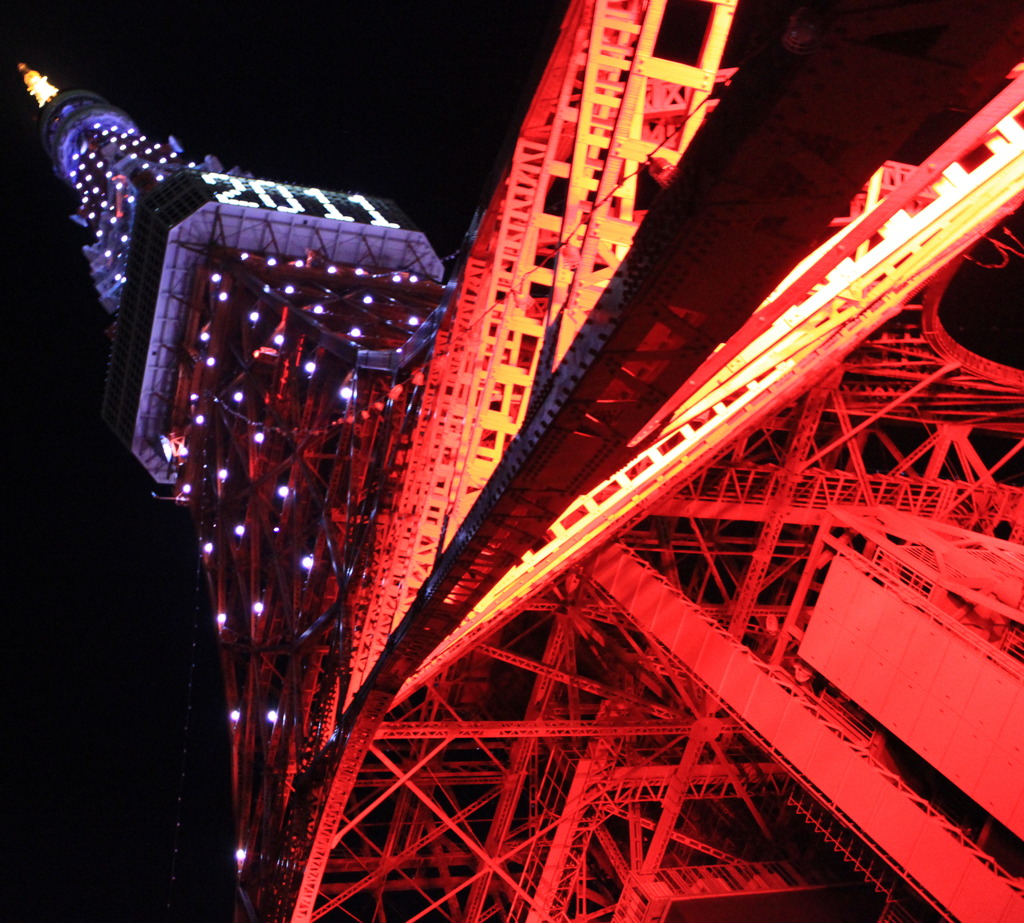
671 569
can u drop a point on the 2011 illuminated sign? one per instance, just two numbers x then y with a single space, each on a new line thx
295 200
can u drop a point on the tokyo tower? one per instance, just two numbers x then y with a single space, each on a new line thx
664 566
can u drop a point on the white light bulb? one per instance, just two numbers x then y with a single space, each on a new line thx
210 360
222 474
282 491
289 289
223 296
238 396
367 299
257 608
257 437
310 367
272 716
279 339
216 277
346 392
271 261
254 316
414 321
396 278
239 530
205 336
208 548
235 716
355 332
307 562
332 269
318 309
200 419
222 618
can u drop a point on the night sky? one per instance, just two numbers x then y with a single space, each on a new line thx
410 100
405 99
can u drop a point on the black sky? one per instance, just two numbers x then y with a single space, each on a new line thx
409 100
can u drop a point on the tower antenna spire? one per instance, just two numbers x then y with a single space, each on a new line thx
38 85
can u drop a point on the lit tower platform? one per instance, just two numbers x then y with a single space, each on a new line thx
698 596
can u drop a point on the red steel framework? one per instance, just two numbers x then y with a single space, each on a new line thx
481 775
539 739
685 571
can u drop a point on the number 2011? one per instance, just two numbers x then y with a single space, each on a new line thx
263 188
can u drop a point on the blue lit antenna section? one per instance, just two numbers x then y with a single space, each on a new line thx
98 150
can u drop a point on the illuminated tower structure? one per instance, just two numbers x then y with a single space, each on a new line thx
699 594
267 340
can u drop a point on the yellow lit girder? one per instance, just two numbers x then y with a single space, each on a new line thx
594 124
